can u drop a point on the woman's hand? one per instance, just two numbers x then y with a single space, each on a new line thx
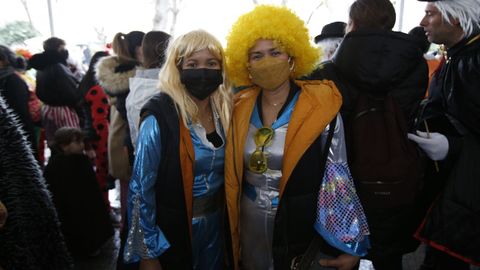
342 262
150 264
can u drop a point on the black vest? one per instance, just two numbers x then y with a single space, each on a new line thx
172 215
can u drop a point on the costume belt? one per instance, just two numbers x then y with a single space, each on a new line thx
206 205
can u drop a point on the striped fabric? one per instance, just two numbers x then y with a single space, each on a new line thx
55 117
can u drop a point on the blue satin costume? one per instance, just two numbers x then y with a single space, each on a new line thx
145 239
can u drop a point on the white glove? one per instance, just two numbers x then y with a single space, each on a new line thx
436 147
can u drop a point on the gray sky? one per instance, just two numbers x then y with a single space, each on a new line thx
75 20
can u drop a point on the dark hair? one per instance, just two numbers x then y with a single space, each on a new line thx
11 59
21 63
419 34
125 45
53 44
372 14
154 45
89 79
64 136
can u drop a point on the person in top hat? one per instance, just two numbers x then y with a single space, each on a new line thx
452 226
329 39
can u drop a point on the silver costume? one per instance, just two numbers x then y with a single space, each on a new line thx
260 201
260 198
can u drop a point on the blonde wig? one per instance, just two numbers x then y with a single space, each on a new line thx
269 22
178 50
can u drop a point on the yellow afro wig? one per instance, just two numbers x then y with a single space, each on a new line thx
269 22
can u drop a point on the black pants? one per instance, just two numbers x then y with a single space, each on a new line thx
393 262
439 260
391 236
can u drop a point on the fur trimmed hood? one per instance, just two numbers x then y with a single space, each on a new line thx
31 237
113 76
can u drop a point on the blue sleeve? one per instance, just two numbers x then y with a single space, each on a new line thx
145 239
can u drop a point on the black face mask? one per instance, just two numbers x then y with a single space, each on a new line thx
201 82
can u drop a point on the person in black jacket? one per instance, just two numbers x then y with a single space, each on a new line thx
56 88
83 214
373 60
452 227
15 91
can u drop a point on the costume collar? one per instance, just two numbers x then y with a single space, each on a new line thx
462 44
317 104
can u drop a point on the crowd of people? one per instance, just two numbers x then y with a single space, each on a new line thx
270 153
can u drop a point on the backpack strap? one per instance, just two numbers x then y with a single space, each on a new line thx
372 104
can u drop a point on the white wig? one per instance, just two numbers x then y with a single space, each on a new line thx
328 46
466 11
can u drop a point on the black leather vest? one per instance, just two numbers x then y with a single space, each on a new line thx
172 215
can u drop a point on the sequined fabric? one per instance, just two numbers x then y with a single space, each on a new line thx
136 245
145 239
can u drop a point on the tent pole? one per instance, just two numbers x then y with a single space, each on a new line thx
50 17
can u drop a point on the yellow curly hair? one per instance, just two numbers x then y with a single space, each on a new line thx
269 22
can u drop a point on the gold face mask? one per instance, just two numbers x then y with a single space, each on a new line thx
270 72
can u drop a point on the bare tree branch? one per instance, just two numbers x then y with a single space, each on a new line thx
322 2
255 2
175 9
166 14
160 18
157 18
25 6
284 3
